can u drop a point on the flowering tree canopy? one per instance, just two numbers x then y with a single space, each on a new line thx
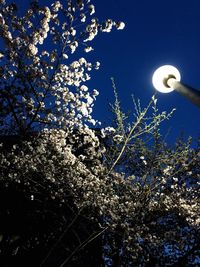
41 86
67 186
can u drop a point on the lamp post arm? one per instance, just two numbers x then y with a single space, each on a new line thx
192 94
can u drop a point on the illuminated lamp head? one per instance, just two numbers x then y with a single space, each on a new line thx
162 75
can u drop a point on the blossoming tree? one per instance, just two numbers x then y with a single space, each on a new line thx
40 86
46 109
80 197
159 200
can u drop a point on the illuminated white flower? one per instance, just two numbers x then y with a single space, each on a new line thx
82 61
83 17
89 99
83 109
167 170
107 26
73 31
65 56
95 92
91 9
118 138
120 25
88 49
97 65
73 46
84 88
33 49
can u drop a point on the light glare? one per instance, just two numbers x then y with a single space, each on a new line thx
162 74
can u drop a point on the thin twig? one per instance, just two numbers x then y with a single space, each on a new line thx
60 238
129 135
82 245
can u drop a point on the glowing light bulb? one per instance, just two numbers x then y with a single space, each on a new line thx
161 75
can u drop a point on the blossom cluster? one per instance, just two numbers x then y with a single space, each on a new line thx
54 88
143 208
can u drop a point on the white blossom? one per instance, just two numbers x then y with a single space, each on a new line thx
83 17
95 92
84 88
91 9
88 49
120 25
65 56
33 49
97 65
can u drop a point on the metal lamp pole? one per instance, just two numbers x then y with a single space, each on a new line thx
167 78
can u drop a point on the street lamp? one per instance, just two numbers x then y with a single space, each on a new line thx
167 78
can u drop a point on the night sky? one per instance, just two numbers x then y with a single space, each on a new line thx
157 33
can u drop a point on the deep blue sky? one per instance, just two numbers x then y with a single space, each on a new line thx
157 33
